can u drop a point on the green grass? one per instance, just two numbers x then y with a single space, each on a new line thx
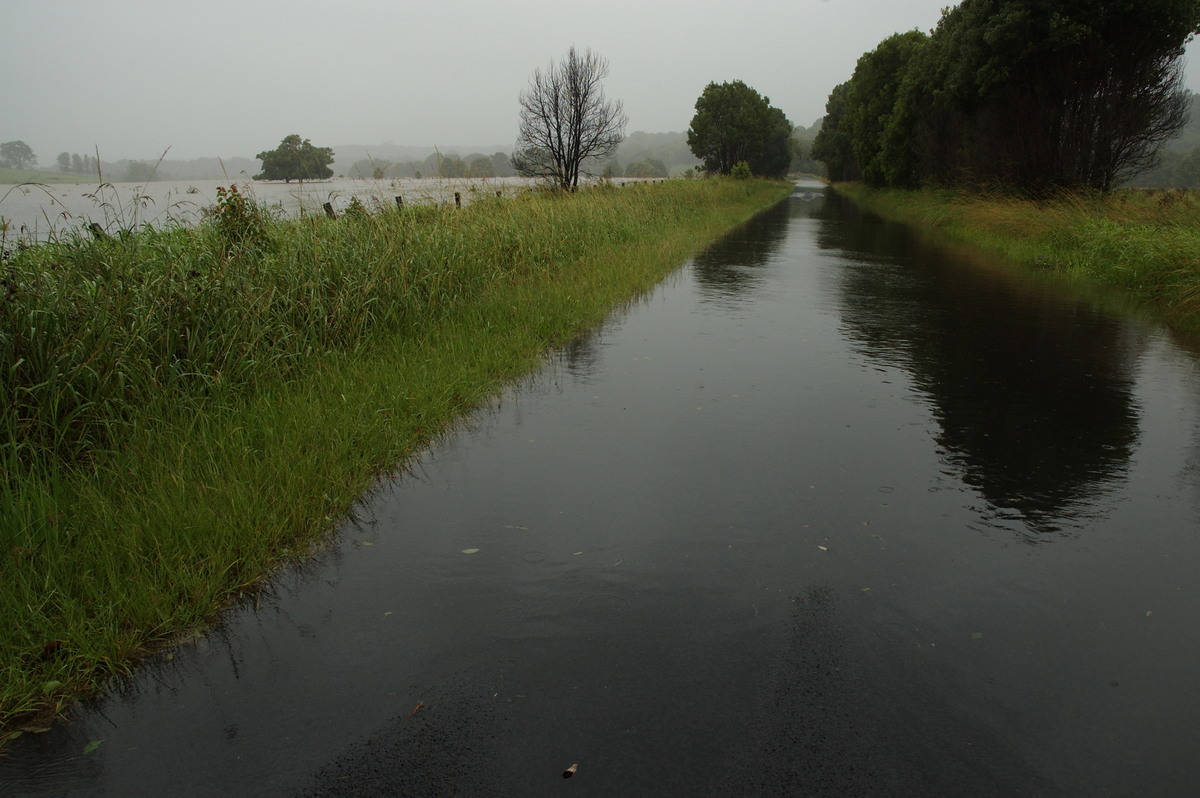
17 176
185 410
1145 243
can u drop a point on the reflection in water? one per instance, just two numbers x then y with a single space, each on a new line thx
728 271
582 354
1031 390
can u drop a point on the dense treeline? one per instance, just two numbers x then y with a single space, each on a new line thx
1035 95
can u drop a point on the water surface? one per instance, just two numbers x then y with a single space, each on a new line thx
835 511
36 212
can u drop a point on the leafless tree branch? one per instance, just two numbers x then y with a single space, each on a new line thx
566 120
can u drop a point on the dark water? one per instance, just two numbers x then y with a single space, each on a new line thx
834 512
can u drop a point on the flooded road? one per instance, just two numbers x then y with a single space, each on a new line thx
834 512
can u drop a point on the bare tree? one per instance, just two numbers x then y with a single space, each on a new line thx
565 120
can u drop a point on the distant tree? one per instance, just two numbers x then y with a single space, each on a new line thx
17 155
64 161
733 123
650 167
76 164
833 144
451 165
502 164
566 120
369 168
480 166
139 172
670 148
802 146
444 165
295 159
1176 170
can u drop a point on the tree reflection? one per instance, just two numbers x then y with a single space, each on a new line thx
1031 389
729 269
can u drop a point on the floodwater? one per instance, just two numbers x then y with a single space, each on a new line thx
835 511
41 212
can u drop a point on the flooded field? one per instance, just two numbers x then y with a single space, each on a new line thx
39 212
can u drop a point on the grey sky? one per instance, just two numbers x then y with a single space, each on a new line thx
233 77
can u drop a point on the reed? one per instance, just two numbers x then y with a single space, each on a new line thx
186 409
1145 243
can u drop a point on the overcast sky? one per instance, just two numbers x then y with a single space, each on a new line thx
226 78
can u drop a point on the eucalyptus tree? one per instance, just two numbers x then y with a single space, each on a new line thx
875 88
17 155
566 120
1043 94
734 123
833 144
1034 95
295 159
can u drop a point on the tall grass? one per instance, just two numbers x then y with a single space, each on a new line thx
1146 243
185 409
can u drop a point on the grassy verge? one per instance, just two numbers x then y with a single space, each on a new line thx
187 409
15 176
1145 243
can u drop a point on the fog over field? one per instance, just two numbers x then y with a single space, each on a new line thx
221 78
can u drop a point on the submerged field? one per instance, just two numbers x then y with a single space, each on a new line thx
1146 243
184 410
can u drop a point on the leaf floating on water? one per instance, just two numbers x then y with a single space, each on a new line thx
470 551
569 772
976 635
416 709
516 526
822 548
92 746
51 686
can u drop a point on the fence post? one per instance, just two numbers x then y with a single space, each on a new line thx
399 201
457 199
329 210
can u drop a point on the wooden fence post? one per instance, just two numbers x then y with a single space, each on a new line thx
457 199
399 201
329 210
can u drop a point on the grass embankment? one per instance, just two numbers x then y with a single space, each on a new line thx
185 410
1145 243
15 176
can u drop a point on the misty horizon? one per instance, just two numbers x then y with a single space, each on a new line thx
231 79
